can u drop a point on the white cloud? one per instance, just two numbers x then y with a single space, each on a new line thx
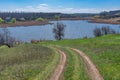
43 5
47 8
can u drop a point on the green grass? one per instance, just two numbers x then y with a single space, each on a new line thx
75 67
104 52
49 69
27 62
36 62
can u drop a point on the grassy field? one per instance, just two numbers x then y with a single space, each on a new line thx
104 52
75 67
27 62
36 62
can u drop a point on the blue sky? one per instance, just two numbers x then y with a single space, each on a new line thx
64 6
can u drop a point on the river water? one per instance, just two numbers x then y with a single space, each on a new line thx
74 29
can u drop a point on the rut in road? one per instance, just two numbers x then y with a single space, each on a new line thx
91 68
60 68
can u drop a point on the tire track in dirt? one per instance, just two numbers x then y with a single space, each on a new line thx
91 68
60 68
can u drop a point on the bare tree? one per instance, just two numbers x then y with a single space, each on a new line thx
103 31
97 32
6 39
58 30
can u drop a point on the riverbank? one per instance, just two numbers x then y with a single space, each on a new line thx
26 23
72 19
90 19
93 20
106 21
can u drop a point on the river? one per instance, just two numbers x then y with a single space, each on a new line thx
74 29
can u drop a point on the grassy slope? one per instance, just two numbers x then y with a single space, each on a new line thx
34 62
104 51
26 61
75 67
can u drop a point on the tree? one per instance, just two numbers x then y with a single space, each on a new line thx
58 30
6 39
40 19
1 20
96 16
57 17
103 31
13 20
97 32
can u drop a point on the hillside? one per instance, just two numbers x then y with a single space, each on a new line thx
103 51
37 62
110 14
26 62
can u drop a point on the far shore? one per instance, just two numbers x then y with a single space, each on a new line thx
32 23
106 21
26 23
93 20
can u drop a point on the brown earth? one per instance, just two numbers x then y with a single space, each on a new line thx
60 68
26 23
107 21
91 68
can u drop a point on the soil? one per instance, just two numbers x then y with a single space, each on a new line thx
107 21
26 23
60 68
91 68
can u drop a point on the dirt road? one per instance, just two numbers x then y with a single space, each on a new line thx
60 68
91 68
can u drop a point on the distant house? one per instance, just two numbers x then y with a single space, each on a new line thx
117 14
21 19
8 19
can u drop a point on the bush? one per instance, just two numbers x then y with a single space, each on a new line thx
1 20
40 19
6 39
103 31
97 32
13 20
58 30
96 16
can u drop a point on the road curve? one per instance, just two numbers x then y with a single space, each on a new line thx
60 68
91 68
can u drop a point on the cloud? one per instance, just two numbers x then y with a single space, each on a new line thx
60 8
43 5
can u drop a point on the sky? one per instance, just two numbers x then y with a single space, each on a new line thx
63 6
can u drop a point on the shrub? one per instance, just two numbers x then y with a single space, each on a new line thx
40 19
97 32
103 31
57 17
58 30
13 20
96 16
1 20
6 38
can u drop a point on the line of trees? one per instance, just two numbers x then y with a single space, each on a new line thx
34 15
13 20
103 31
27 15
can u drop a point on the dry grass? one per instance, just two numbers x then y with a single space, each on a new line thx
24 62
